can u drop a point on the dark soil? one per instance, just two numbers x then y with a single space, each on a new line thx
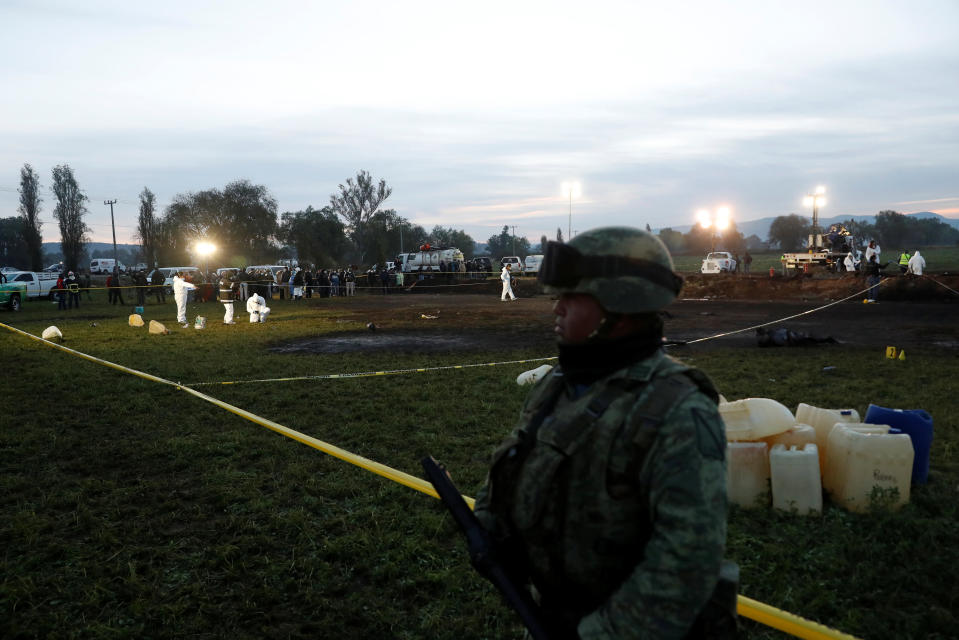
912 312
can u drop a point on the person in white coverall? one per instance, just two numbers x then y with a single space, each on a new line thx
180 289
850 263
916 264
256 307
505 275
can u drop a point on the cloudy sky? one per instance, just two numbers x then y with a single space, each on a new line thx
476 113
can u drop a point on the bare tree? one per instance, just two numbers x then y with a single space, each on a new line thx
147 226
69 213
358 201
30 214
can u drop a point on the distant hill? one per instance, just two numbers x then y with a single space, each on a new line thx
93 250
760 227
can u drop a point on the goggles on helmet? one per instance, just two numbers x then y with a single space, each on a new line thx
564 266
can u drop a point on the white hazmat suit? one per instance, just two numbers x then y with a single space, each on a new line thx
849 262
180 289
506 276
916 264
256 307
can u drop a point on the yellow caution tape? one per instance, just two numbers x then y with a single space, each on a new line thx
366 374
753 609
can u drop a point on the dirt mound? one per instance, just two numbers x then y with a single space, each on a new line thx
818 287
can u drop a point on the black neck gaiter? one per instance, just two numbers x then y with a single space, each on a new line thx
586 363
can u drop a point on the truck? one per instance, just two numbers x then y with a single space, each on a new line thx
12 294
37 284
428 259
822 250
718 262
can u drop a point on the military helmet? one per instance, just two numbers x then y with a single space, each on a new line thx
627 270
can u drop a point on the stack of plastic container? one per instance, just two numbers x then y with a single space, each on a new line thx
822 421
773 454
747 422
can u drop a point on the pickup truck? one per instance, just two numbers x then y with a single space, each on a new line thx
718 262
38 284
11 293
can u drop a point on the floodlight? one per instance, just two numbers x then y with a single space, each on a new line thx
204 248
704 219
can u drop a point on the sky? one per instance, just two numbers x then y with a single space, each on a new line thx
477 113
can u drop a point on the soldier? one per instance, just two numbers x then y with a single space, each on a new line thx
157 280
141 282
73 290
226 297
610 496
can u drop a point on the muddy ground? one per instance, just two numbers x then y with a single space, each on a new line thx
912 312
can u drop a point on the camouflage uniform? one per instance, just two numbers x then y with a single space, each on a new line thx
610 498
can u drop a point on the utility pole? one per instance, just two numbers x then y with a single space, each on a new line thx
514 239
116 263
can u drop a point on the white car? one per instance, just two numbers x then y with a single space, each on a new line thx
718 262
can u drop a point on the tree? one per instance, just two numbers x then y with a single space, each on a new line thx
894 228
318 236
69 213
147 229
240 220
13 249
559 234
789 232
862 231
755 243
673 240
699 240
30 214
503 245
358 201
450 237
543 241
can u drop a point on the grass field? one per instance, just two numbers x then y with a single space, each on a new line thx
129 509
938 260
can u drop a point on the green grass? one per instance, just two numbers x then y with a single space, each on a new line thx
129 509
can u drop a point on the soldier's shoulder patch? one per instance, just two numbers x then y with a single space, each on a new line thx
708 434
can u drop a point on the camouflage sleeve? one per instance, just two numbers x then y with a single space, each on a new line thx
685 473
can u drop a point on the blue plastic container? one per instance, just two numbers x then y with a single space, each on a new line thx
138 309
914 422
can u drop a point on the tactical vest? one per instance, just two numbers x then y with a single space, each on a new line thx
586 461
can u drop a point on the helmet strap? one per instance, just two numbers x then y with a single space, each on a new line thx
605 327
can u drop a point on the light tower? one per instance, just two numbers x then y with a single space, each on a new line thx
815 200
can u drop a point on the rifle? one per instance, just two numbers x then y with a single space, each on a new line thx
483 552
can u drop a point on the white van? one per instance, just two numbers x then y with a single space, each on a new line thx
532 264
105 265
